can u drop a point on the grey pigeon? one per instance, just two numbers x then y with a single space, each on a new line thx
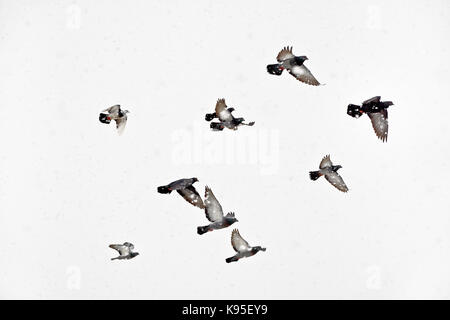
125 250
293 64
117 114
376 110
214 213
185 188
242 247
329 170
227 120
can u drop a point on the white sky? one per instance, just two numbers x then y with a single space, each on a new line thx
69 185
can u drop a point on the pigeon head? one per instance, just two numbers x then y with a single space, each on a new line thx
230 218
257 249
134 254
238 121
354 111
388 103
336 168
194 180
300 59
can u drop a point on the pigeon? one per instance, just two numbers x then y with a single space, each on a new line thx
185 188
242 247
214 213
376 110
328 170
293 64
125 250
117 114
223 113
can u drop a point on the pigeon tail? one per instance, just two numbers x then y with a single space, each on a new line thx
314 175
164 189
202 230
231 259
275 69
210 116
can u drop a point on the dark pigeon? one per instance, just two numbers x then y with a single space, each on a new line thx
227 120
214 213
125 250
293 64
186 189
242 247
329 170
117 114
376 110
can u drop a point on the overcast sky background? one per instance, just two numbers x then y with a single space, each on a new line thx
70 186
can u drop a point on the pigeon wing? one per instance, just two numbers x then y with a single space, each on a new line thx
112 109
380 124
303 74
336 180
191 195
326 162
213 209
120 124
123 250
285 54
238 243
372 100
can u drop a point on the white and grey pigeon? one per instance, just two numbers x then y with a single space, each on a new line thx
294 64
242 247
125 250
329 170
226 118
214 213
185 188
117 114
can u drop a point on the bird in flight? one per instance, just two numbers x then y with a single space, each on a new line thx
214 214
242 247
186 189
117 114
125 250
227 120
293 64
329 170
376 110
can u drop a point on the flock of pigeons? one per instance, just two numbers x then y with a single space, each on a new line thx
375 109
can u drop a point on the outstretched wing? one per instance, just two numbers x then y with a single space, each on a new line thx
123 250
221 111
380 124
326 162
191 195
375 99
303 74
336 180
238 243
285 54
121 123
113 109
213 209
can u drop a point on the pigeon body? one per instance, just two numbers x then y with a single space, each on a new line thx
327 169
294 64
214 213
376 110
125 250
242 247
117 114
185 188
227 120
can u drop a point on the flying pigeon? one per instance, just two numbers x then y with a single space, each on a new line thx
125 250
214 213
185 188
117 114
328 170
293 64
226 118
242 247
377 112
